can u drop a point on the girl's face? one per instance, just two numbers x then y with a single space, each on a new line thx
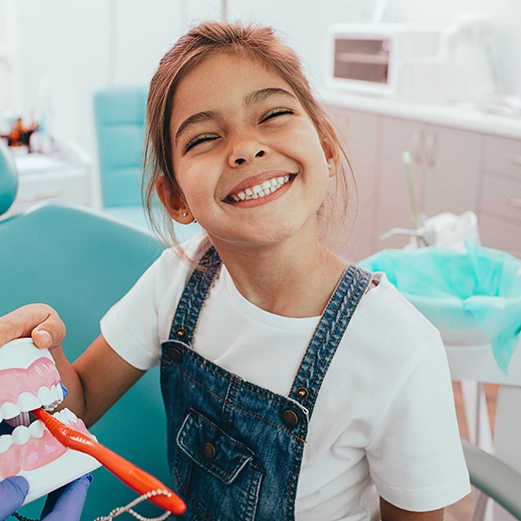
246 154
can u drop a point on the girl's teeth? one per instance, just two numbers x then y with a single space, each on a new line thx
266 188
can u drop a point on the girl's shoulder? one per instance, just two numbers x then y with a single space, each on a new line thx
389 311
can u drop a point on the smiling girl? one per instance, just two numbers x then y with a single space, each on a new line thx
295 386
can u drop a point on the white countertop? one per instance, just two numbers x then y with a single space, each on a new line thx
454 116
38 163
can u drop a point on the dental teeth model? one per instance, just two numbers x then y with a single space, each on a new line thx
29 380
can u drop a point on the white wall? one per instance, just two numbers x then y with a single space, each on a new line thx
71 47
306 22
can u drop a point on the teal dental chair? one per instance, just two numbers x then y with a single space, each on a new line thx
81 262
119 122
8 178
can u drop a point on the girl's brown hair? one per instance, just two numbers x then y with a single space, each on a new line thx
201 42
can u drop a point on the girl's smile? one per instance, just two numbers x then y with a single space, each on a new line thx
267 187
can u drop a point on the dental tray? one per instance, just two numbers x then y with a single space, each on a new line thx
29 380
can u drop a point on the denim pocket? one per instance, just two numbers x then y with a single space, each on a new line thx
218 475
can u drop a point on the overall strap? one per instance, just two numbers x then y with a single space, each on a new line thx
193 296
327 336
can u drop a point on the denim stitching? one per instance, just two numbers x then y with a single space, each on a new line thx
280 427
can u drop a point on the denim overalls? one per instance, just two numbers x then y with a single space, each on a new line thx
235 449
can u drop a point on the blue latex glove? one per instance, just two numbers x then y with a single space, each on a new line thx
64 504
12 494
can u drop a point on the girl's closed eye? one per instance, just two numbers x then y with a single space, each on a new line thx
276 112
199 140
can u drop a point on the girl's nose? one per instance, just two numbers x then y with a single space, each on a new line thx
245 150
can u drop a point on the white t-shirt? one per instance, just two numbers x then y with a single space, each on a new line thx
385 413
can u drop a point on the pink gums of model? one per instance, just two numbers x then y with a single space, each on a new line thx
29 380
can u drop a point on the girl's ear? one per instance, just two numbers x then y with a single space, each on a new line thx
331 153
175 205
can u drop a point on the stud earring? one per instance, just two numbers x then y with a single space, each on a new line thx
329 166
185 214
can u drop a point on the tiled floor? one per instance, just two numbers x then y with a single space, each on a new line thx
462 511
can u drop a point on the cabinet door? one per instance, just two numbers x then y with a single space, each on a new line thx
444 171
353 236
394 209
452 161
500 202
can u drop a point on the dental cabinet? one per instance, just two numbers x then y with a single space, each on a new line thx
461 159
64 175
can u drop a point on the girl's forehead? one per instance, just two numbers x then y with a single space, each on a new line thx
224 75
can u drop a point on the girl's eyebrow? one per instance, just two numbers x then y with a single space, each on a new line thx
261 95
252 98
194 118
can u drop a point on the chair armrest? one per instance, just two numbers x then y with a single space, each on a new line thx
494 478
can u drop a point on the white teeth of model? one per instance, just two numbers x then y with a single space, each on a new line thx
28 402
65 416
248 191
266 184
45 396
57 391
58 416
9 410
36 429
21 435
5 443
69 416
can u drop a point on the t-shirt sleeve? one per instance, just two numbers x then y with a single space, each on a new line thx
137 324
415 457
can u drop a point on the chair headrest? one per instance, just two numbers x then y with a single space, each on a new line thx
8 178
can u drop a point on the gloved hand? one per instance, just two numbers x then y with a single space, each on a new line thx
64 504
12 494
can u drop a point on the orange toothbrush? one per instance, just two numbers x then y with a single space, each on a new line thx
139 480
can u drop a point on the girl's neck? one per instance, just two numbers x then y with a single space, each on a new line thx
289 281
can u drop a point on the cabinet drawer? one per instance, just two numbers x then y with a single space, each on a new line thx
503 155
502 196
500 235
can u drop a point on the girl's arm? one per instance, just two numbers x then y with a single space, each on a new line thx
391 513
95 381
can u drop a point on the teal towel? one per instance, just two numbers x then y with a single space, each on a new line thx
479 288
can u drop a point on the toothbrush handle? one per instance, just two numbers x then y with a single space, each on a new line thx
136 478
